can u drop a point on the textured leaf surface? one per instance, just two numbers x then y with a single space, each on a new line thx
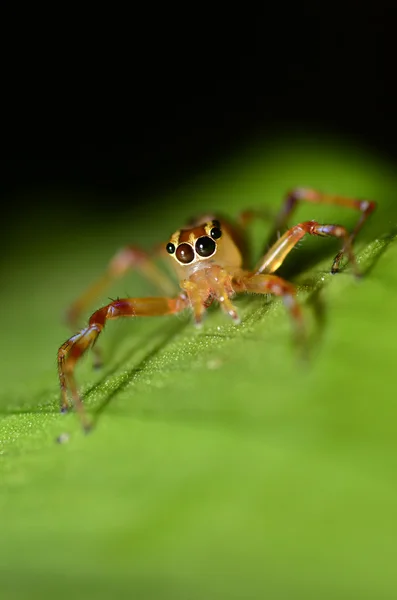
221 465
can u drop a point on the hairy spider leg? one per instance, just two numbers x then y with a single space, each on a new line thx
126 259
276 255
74 348
366 207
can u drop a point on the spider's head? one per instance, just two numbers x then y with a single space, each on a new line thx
199 243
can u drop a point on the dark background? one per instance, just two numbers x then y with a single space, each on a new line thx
134 102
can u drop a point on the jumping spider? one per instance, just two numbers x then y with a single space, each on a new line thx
210 260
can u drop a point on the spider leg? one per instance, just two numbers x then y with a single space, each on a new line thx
246 217
74 348
272 284
366 207
276 255
128 258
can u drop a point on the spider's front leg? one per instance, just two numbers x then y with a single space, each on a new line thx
72 350
272 284
127 259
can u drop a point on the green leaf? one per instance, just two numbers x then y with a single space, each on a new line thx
221 465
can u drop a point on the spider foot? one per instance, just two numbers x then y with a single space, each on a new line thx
63 438
88 427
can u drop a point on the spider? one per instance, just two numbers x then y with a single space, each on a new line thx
210 258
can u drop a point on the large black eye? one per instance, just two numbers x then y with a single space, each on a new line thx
185 253
215 233
205 246
170 248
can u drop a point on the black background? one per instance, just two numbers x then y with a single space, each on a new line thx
133 101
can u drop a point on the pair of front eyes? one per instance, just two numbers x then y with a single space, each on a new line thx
204 246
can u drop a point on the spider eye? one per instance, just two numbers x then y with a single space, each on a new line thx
215 233
185 253
170 248
205 246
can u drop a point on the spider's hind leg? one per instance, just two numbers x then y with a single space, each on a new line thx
297 195
276 255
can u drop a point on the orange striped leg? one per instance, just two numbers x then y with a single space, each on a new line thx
366 207
272 284
283 246
72 350
125 260
246 217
